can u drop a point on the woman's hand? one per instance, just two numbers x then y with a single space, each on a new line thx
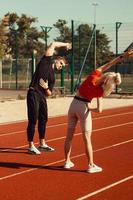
99 106
128 53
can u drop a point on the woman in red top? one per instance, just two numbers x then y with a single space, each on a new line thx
96 85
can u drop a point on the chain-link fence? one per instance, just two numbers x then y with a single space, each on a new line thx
16 74
120 36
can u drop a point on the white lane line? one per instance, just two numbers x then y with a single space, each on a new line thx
11 133
23 131
62 160
25 120
30 170
63 137
62 124
114 115
114 126
106 188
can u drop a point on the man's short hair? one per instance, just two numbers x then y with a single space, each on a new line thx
62 53
62 58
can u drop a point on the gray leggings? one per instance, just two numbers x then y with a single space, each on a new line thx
79 111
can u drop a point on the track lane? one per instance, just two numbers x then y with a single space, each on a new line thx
102 138
107 138
53 181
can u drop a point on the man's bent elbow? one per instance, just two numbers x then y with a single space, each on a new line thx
48 93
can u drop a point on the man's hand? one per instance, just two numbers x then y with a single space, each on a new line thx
43 83
68 46
56 45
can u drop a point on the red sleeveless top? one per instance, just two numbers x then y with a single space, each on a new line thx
88 89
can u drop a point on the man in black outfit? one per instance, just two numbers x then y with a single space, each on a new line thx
40 87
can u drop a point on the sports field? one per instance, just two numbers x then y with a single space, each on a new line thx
24 176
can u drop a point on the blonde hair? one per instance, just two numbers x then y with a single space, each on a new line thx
111 80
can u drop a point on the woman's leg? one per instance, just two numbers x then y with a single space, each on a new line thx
87 132
72 121
86 126
68 144
88 146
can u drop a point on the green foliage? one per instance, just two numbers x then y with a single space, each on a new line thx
26 38
64 31
3 37
81 38
22 37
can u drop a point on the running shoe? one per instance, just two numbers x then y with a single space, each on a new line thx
68 165
94 168
34 150
45 147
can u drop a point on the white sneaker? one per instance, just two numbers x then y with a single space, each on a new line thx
94 168
68 165
45 147
34 150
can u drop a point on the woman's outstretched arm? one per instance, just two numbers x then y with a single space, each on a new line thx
116 60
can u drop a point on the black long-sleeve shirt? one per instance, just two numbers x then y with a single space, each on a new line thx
45 71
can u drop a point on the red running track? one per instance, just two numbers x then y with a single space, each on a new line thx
25 177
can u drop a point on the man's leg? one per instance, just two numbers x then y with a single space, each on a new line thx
32 108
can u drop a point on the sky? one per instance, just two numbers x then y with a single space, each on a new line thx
104 12
49 11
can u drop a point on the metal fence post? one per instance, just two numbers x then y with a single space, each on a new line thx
46 29
16 57
33 65
14 28
0 73
62 77
118 24
72 59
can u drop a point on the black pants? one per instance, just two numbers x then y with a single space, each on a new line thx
37 111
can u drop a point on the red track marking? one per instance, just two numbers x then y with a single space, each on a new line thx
42 177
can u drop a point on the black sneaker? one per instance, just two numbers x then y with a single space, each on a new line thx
46 148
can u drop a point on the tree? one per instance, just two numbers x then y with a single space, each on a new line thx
3 35
25 39
64 31
82 37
